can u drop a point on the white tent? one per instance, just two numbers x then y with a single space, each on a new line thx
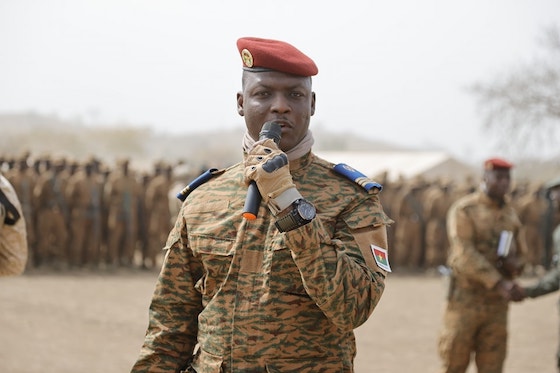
402 164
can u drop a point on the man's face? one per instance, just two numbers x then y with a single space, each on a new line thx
497 183
284 98
555 193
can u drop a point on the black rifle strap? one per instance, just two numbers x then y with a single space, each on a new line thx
12 214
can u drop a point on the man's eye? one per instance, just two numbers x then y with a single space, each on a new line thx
297 94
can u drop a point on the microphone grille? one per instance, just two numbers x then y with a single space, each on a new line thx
271 130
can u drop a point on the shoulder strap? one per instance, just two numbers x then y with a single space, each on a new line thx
12 214
356 176
201 179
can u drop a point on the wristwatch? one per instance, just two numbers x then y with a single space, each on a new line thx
301 213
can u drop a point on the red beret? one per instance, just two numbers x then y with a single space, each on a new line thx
497 163
266 54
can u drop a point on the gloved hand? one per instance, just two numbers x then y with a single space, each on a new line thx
268 166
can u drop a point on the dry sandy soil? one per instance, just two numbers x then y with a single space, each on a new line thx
95 322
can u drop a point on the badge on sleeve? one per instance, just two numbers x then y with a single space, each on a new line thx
381 258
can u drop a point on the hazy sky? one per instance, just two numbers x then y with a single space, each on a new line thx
390 70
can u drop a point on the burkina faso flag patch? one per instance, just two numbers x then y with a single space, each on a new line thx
381 258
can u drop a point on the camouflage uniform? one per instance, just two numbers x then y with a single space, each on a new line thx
532 213
257 300
13 240
122 198
159 224
84 192
23 180
52 217
475 319
550 282
438 202
409 237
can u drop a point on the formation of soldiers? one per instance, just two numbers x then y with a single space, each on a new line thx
89 215
418 239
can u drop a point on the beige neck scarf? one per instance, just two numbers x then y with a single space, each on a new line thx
298 151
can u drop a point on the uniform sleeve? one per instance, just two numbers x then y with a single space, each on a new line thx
13 238
335 272
464 259
550 282
173 314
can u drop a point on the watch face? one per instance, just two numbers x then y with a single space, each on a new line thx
306 210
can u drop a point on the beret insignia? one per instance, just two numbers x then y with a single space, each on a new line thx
247 57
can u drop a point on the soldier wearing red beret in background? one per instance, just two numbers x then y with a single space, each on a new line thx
486 255
282 288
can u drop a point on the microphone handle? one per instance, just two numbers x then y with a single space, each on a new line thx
252 202
270 130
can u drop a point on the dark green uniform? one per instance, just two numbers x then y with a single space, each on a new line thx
550 282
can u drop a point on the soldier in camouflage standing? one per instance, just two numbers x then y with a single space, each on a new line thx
486 255
157 203
280 288
122 198
144 215
550 282
438 201
411 227
13 238
52 217
532 213
23 180
84 192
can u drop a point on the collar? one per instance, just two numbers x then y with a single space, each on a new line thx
492 202
301 162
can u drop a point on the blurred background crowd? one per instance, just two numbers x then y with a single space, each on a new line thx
100 216
92 215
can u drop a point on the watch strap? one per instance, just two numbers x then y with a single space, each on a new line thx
288 222
293 219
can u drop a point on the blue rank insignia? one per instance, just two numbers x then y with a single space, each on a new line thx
183 194
356 176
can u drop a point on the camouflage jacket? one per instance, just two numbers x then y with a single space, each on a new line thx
244 297
474 225
13 238
550 282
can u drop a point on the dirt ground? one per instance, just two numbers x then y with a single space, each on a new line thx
95 322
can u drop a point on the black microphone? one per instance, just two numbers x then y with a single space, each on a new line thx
270 130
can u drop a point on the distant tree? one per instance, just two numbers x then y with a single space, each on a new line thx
523 106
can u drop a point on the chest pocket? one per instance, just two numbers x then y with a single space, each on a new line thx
284 274
216 256
488 226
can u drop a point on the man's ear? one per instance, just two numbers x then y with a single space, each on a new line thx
312 103
240 104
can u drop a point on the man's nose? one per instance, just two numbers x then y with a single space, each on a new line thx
280 104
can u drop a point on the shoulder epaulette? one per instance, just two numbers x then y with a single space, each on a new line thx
356 176
201 179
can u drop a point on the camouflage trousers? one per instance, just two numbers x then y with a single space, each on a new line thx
473 329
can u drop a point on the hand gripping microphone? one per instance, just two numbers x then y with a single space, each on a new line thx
270 130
